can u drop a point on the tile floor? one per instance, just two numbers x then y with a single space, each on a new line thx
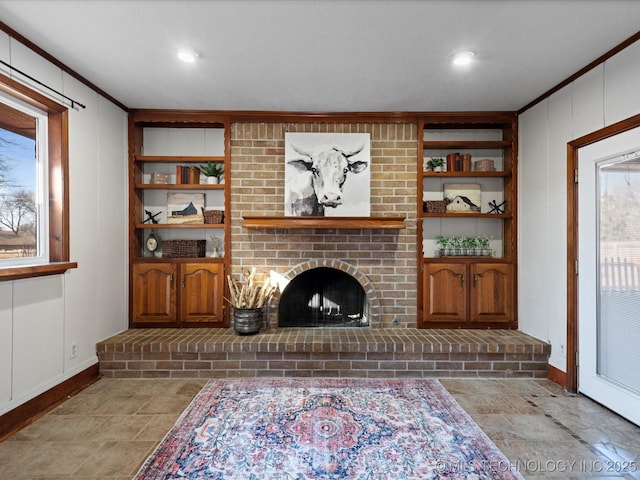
106 431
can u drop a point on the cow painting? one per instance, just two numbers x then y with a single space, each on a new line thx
318 177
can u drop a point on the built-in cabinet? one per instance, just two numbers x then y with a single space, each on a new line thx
178 293
181 282
468 292
469 201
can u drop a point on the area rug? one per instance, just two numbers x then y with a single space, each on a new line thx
312 429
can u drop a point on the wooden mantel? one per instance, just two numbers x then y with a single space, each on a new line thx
390 222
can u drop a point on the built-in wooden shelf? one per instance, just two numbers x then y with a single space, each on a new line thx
179 158
178 225
468 144
466 174
263 221
467 215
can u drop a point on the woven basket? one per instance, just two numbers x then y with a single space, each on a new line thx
183 248
434 206
213 216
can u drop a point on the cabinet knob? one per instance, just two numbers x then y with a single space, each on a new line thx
462 280
475 280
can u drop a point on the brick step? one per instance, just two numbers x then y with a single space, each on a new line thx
329 352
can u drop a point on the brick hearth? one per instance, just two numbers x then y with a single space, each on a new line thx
330 352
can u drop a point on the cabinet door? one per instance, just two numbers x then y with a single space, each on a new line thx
202 292
492 292
153 292
445 298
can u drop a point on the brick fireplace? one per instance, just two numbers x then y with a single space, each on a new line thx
383 261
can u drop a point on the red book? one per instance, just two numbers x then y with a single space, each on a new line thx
451 162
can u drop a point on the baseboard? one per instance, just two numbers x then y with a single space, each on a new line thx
557 376
26 413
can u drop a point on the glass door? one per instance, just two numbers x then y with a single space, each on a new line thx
609 281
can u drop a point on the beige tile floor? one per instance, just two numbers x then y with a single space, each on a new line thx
106 431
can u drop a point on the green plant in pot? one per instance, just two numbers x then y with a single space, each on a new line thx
443 244
469 245
213 171
482 246
435 164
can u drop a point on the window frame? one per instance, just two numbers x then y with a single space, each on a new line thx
58 168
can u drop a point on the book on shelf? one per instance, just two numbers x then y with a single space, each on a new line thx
194 174
466 162
458 162
187 175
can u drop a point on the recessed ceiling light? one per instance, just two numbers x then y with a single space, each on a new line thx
463 57
188 55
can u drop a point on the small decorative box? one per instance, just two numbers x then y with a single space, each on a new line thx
160 178
484 165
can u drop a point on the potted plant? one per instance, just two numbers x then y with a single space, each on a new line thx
213 171
469 246
435 164
482 246
443 244
247 299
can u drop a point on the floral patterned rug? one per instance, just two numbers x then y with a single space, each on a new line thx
308 429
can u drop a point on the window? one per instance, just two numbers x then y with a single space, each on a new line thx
34 228
23 183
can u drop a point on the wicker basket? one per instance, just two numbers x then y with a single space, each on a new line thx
213 216
434 206
183 248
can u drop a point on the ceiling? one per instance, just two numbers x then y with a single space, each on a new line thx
325 55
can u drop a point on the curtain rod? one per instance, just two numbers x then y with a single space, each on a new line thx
73 102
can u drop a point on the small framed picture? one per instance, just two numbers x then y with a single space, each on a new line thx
462 197
185 207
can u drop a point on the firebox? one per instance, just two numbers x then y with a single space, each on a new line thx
323 297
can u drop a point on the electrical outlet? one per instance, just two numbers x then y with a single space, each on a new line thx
562 353
74 350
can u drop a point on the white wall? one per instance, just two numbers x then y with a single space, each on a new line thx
40 318
604 95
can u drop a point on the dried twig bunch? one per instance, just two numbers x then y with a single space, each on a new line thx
247 293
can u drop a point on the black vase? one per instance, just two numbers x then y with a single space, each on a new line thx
247 321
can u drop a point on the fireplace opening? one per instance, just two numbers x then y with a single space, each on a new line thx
323 297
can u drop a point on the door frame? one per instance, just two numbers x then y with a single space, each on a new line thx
571 381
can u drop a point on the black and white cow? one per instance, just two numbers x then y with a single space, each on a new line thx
319 179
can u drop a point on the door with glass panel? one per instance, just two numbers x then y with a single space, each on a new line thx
609 273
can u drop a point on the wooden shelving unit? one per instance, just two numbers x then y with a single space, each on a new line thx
468 291
185 291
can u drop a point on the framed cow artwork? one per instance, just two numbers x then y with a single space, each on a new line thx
327 174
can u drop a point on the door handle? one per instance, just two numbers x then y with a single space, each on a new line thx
462 280
475 280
